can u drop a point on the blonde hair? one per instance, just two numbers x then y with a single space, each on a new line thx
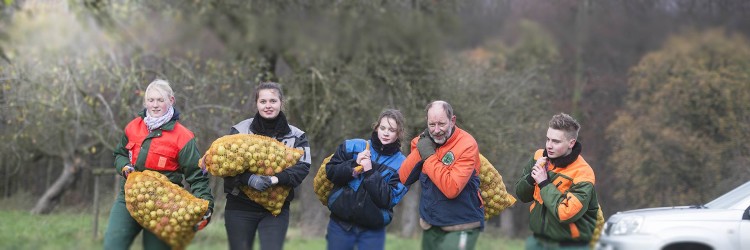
161 86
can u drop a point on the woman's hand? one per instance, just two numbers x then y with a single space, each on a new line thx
363 159
366 164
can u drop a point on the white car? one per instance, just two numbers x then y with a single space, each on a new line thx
723 223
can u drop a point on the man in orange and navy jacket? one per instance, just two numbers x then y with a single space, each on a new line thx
560 186
445 160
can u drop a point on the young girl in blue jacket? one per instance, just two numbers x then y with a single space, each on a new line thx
362 201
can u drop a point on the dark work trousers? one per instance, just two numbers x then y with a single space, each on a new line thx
122 229
242 225
438 239
534 243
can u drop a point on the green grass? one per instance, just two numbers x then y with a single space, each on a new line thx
214 237
21 230
74 230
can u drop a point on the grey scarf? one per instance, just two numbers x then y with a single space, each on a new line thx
156 122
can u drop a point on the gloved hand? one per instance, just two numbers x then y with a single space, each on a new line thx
126 170
259 182
425 145
202 224
202 165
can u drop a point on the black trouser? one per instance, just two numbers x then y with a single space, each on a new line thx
241 227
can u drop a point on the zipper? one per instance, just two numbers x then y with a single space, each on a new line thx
544 217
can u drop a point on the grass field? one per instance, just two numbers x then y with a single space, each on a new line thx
74 230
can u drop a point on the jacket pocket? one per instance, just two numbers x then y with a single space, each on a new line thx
131 147
562 183
162 158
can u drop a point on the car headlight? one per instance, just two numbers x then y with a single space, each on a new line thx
627 225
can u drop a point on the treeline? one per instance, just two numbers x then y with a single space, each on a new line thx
662 93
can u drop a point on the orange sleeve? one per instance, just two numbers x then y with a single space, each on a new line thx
411 160
451 180
569 208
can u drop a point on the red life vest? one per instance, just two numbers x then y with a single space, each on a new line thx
163 151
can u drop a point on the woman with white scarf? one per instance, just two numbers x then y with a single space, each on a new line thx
155 140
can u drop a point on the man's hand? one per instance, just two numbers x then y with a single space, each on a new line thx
258 182
126 170
425 146
539 171
202 224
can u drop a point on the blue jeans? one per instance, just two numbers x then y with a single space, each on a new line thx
242 225
365 239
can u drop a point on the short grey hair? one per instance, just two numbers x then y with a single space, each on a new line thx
446 106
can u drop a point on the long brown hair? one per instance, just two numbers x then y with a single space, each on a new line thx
396 116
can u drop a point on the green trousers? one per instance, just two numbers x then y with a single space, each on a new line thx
122 229
437 239
532 243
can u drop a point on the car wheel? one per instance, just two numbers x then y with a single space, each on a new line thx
687 246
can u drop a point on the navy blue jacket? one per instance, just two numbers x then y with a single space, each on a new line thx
438 210
366 200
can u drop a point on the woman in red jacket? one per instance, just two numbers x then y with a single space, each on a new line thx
156 141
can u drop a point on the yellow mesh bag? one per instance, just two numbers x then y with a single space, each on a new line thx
235 154
598 228
163 208
321 184
272 199
496 197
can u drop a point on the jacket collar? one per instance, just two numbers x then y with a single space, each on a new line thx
378 146
271 128
564 161
167 126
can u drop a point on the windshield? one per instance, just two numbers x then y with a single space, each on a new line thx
731 198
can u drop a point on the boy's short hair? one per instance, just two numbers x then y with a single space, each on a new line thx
566 123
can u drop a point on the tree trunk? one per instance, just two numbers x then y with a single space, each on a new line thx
6 182
410 212
314 216
52 196
506 223
581 27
